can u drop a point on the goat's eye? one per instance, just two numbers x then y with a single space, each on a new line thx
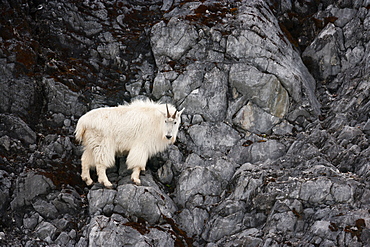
175 122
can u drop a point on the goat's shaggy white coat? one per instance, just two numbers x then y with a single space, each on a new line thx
141 129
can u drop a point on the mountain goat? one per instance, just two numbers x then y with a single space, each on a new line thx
140 129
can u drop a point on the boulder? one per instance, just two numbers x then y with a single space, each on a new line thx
143 202
28 187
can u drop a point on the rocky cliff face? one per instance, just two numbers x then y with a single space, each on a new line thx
274 145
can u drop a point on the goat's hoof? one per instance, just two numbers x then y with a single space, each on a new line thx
136 181
88 181
106 184
109 186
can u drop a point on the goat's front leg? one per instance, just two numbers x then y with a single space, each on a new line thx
135 176
136 160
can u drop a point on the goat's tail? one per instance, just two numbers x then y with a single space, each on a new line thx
80 131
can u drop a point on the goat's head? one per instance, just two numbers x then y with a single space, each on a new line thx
171 124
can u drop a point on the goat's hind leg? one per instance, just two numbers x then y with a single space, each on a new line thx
104 159
87 161
102 176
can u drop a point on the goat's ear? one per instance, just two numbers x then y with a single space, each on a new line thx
180 112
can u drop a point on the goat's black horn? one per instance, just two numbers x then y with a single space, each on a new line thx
174 115
168 113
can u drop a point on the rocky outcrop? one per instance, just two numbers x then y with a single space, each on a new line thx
274 145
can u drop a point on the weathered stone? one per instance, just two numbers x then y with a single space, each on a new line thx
4 189
192 221
45 230
316 191
161 86
45 209
165 173
209 100
197 181
15 96
323 54
62 100
225 226
245 186
188 81
63 239
284 128
172 40
31 222
213 137
262 151
262 89
117 230
17 128
29 187
100 199
143 202
245 45
255 120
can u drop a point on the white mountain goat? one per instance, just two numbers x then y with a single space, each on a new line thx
140 129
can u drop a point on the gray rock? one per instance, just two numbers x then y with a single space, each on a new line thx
104 231
237 68
244 44
17 128
324 52
253 119
207 137
224 226
45 230
63 239
4 189
344 15
366 127
348 135
262 89
249 237
192 221
284 128
5 142
143 202
170 41
245 186
62 100
28 187
100 200
342 193
188 81
167 5
161 86
45 209
197 181
209 100
257 152
15 96
165 173
68 201
262 151
32 221
352 32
